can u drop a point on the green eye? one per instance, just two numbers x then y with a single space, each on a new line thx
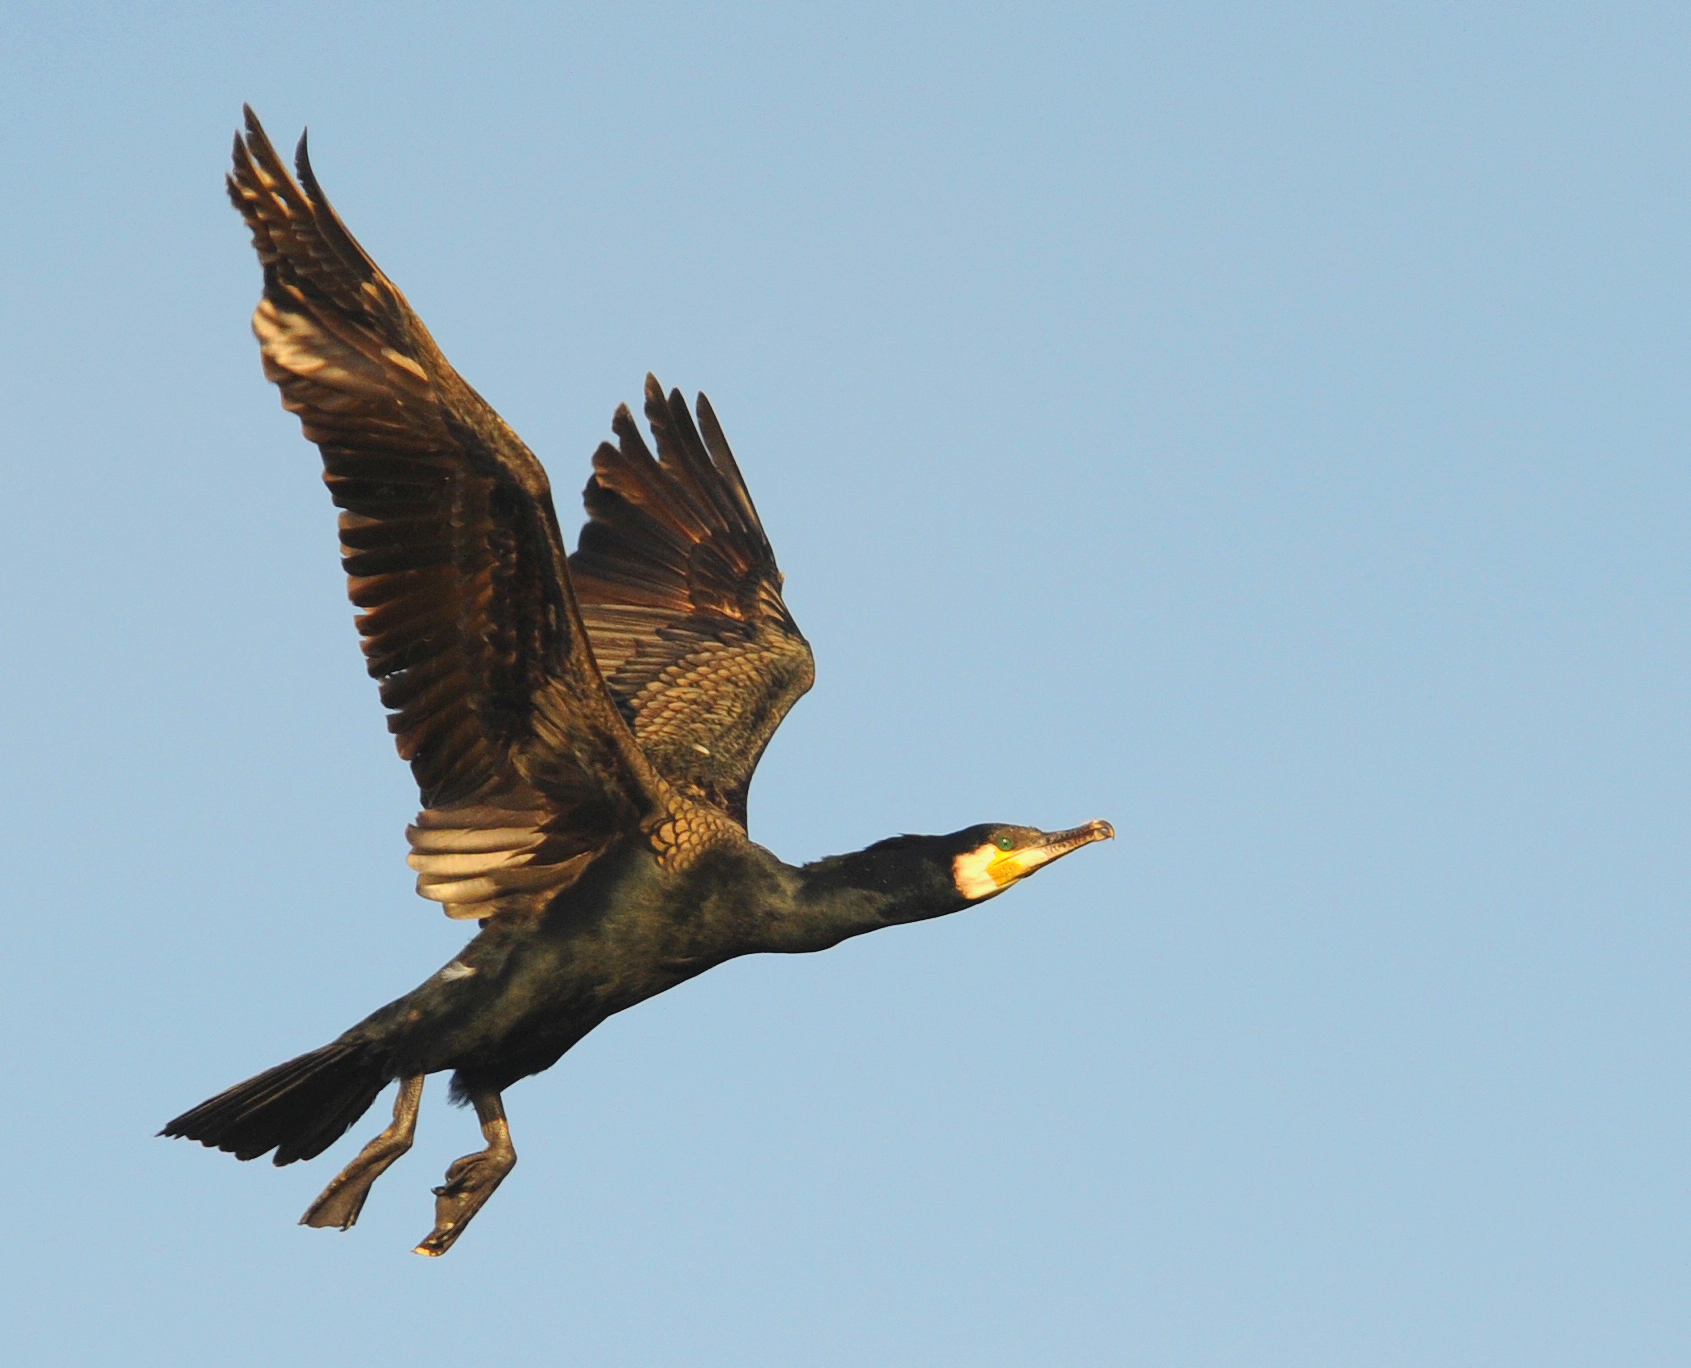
1005 842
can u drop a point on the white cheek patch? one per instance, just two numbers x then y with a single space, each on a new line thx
455 970
969 872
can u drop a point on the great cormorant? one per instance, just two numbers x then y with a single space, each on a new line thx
583 731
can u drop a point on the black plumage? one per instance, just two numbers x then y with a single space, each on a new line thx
582 729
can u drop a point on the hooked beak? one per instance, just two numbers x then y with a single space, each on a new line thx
1007 868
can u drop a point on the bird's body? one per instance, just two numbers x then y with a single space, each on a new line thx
522 992
583 729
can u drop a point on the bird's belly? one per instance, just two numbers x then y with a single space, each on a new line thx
530 1003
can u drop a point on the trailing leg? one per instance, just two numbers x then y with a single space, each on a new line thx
471 1180
343 1199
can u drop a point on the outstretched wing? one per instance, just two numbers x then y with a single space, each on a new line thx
452 549
682 599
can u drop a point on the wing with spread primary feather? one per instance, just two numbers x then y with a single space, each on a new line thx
682 599
451 546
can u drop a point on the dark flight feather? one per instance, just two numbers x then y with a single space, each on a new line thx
682 599
452 549
299 1108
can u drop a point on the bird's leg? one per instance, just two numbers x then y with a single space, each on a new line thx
343 1199
471 1180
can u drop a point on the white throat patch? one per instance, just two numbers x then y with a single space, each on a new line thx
974 876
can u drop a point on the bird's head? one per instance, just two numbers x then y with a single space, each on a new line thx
912 878
990 858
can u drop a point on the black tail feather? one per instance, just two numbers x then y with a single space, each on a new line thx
297 1109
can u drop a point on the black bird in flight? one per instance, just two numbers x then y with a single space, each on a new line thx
583 729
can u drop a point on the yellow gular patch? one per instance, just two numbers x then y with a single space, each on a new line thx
981 872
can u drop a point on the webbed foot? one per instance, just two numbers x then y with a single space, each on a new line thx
470 1181
340 1202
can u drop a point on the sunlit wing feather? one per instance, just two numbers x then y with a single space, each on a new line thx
452 551
682 599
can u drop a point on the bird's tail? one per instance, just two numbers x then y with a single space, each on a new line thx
297 1109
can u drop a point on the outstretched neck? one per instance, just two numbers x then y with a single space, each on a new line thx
905 879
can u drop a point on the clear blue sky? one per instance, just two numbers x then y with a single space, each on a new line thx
1262 426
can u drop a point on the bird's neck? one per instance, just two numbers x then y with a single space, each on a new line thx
906 879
